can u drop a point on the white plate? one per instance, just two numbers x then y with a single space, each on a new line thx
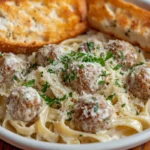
121 144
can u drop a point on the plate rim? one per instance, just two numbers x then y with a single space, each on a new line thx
26 143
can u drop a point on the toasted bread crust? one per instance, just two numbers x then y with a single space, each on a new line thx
28 25
121 19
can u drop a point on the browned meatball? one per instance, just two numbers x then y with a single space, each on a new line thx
123 52
24 104
92 113
48 53
83 77
138 82
11 65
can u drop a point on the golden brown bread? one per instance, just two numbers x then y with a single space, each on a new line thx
27 25
121 19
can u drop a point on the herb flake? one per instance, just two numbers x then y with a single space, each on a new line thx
30 83
45 87
96 107
110 97
117 67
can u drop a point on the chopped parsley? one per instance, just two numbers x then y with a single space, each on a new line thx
109 55
73 53
51 71
121 73
69 119
90 45
41 73
33 66
50 61
50 101
70 112
104 73
101 82
117 67
70 77
110 97
141 63
70 94
30 83
15 78
122 55
45 87
117 83
137 113
101 60
79 55
81 66
123 105
96 107
80 135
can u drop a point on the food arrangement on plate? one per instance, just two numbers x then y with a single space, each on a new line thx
63 87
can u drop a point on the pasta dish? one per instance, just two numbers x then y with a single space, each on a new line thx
87 89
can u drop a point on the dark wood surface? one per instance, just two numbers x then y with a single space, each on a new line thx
6 146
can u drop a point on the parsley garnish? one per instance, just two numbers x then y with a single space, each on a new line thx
121 73
65 59
141 63
69 119
15 78
90 45
117 67
96 107
30 83
41 73
73 53
51 71
50 60
122 55
104 73
70 112
109 55
137 113
101 82
123 105
117 83
45 87
101 60
70 77
70 94
81 66
50 101
110 97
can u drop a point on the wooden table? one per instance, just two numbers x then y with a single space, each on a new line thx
5 146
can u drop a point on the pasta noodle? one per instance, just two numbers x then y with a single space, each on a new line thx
55 122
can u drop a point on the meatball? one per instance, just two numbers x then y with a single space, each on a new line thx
83 77
138 82
48 54
123 52
11 65
92 113
24 104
